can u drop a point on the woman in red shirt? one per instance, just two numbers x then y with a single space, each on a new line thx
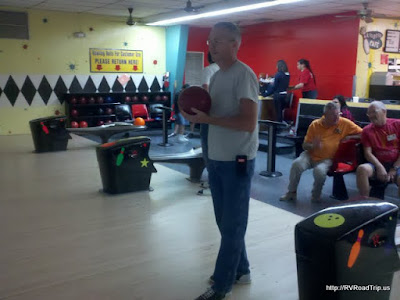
307 80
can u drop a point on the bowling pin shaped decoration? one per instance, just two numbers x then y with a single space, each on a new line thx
120 157
44 128
355 249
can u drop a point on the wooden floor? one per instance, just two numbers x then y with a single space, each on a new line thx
61 238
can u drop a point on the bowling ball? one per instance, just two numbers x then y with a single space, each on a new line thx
164 98
195 97
100 100
99 123
83 124
139 121
127 99
74 124
82 100
100 111
135 98
158 98
74 113
109 111
108 122
73 101
145 98
92 100
109 99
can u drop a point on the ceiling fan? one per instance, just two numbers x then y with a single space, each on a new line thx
367 15
191 9
130 20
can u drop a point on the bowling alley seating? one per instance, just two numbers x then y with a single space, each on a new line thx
140 110
346 160
123 113
289 113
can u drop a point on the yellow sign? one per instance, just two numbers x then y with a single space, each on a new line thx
116 61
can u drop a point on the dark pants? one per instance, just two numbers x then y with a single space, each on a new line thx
310 94
280 105
230 191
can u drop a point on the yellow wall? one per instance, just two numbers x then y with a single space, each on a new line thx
52 48
369 63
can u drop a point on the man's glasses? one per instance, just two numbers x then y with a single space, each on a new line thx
218 42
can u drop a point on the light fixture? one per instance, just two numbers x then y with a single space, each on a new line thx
79 34
222 12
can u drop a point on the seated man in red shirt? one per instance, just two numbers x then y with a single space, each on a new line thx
381 142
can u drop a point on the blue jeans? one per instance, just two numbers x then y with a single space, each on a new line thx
204 141
230 191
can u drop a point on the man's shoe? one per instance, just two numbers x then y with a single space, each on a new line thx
172 135
210 294
189 135
182 139
204 192
240 279
289 196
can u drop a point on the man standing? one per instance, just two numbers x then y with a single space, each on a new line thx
320 145
381 143
232 148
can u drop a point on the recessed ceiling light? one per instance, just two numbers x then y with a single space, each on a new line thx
222 12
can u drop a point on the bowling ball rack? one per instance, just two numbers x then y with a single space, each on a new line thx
89 112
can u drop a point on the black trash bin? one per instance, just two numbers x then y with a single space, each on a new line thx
347 252
125 165
49 134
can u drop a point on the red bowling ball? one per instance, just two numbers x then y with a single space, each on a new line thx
158 98
145 98
99 123
100 100
92 100
108 122
135 99
73 101
195 97
128 99
74 124
74 113
83 124
82 100
109 111
165 98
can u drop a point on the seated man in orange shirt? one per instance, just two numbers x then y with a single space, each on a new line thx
320 145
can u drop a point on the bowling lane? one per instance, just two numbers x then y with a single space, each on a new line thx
66 240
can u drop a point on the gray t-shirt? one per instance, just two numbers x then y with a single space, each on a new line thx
226 89
208 72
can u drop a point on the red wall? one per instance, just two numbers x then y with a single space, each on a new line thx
331 48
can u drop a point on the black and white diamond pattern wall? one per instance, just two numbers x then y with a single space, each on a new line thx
37 90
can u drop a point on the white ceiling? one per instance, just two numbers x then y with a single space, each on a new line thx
152 10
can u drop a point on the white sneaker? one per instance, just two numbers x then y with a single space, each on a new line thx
182 139
172 135
204 192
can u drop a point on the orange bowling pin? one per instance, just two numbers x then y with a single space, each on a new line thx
355 249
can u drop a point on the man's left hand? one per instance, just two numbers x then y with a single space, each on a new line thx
199 117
